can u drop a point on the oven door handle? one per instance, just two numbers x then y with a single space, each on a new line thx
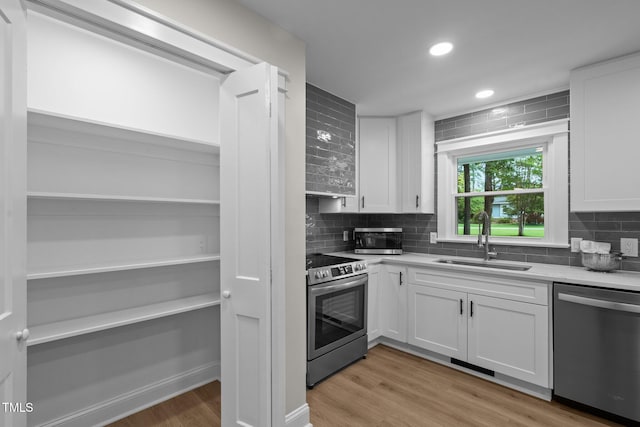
320 290
610 305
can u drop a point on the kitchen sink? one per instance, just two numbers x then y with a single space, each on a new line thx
486 264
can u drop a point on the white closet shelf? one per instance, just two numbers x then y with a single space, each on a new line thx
111 197
41 334
76 271
93 127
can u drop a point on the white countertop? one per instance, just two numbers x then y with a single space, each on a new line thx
617 279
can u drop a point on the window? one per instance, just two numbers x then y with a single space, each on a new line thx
519 177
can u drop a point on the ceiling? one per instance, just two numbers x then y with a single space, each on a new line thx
374 53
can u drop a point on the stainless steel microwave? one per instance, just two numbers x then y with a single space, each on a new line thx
386 241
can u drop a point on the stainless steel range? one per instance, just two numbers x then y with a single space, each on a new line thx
336 314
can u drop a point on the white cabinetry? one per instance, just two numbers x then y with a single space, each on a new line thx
605 100
393 302
436 320
373 302
509 337
492 322
395 167
377 161
415 163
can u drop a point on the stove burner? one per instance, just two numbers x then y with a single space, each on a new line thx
322 260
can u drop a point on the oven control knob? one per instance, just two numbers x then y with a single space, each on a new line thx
318 274
325 273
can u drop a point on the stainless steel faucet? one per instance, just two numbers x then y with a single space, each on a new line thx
485 230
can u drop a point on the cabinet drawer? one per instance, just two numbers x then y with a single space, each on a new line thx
530 291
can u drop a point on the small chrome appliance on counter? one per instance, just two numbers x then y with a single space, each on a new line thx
336 314
385 241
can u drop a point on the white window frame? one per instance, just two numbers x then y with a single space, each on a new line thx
553 136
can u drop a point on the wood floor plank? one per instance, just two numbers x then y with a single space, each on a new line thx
389 388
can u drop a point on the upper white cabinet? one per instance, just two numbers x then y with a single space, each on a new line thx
415 163
395 167
605 101
377 157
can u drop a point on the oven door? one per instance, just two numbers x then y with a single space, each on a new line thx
337 314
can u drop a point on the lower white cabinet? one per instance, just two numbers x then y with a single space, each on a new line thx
373 303
509 337
393 302
437 321
504 335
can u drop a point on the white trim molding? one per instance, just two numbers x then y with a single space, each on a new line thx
298 417
553 136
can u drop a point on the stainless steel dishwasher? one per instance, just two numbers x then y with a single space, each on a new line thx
596 336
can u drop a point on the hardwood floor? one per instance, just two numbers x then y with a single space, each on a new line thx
392 388
389 388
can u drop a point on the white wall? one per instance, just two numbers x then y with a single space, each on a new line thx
231 23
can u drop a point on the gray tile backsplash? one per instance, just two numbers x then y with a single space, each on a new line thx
324 231
330 143
530 111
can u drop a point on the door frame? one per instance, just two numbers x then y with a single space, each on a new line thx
144 28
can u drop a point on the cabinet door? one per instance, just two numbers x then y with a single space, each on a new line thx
415 166
605 100
438 320
13 236
373 312
377 153
393 302
509 337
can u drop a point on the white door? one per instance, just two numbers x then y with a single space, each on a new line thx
438 320
393 302
247 133
377 154
13 238
509 337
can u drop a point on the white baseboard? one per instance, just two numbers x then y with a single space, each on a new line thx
298 417
136 400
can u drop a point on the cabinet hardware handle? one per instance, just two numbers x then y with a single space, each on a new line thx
417 201
401 278
471 309
226 294
362 202
344 202
461 303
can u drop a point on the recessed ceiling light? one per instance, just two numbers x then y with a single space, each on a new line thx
484 93
440 49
